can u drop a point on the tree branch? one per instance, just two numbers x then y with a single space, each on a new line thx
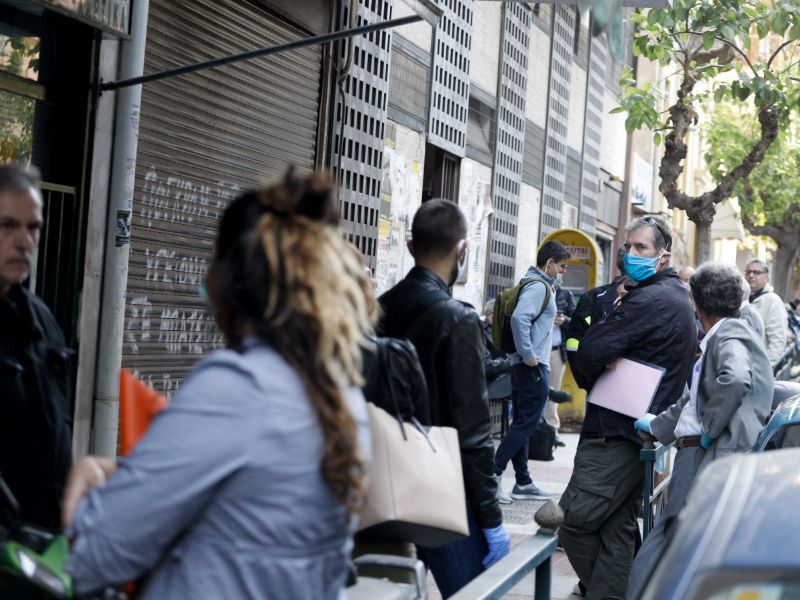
785 233
778 51
767 230
768 119
701 209
706 57
682 115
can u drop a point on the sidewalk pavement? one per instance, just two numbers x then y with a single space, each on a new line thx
552 476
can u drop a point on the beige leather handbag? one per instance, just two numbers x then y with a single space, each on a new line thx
416 488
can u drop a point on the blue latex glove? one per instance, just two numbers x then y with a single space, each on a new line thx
643 424
706 440
499 544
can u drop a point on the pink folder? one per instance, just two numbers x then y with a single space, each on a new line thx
627 386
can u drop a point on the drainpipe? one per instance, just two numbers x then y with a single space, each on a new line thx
120 207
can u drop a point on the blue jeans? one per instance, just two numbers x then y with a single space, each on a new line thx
529 392
454 565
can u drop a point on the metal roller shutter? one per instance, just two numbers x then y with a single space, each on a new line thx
202 137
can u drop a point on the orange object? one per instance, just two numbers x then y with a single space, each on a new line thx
138 405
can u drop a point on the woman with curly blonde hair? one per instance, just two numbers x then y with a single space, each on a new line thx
247 484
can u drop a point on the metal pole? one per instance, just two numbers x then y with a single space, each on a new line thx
217 62
648 458
543 580
115 272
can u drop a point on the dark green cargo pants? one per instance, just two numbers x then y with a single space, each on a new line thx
600 506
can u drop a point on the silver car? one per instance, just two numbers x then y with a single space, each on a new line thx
738 537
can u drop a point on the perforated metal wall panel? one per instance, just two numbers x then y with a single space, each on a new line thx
409 84
508 164
592 136
555 163
202 137
572 182
447 127
534 155
358 148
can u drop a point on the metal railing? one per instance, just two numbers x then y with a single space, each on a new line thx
650 453
499 415
532 555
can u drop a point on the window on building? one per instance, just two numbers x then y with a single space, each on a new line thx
440 178
481 127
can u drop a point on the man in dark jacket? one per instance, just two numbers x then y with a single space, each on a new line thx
653 322
449 341
593 307
497 363
35 418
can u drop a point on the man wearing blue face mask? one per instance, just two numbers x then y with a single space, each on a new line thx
532 328
653 322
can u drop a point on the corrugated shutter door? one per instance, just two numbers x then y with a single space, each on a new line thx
202 137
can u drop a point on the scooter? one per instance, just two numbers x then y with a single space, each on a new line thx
33 559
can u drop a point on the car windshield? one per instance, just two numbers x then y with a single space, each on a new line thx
749 585
787 436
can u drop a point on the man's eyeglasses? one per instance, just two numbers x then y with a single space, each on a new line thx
749 272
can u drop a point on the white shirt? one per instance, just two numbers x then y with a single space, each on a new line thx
556 337
689 421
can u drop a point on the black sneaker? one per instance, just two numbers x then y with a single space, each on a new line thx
559 397
558 442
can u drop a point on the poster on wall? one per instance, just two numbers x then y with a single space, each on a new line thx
642 183
475 200
401 195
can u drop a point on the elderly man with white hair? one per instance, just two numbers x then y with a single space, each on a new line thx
729 402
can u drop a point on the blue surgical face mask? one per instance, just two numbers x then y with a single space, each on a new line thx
559 279
640 268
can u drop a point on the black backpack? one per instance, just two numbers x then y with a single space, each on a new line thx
542 442
393 374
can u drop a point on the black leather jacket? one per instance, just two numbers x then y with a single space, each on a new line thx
496 361
35 416
449 341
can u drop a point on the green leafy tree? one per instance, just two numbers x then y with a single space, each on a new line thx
770 195
708 45
19 56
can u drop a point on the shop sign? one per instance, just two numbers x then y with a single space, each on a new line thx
110 15
579 252
642 185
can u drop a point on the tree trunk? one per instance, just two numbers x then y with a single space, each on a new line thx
785 257
794 278
703 246
702 216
